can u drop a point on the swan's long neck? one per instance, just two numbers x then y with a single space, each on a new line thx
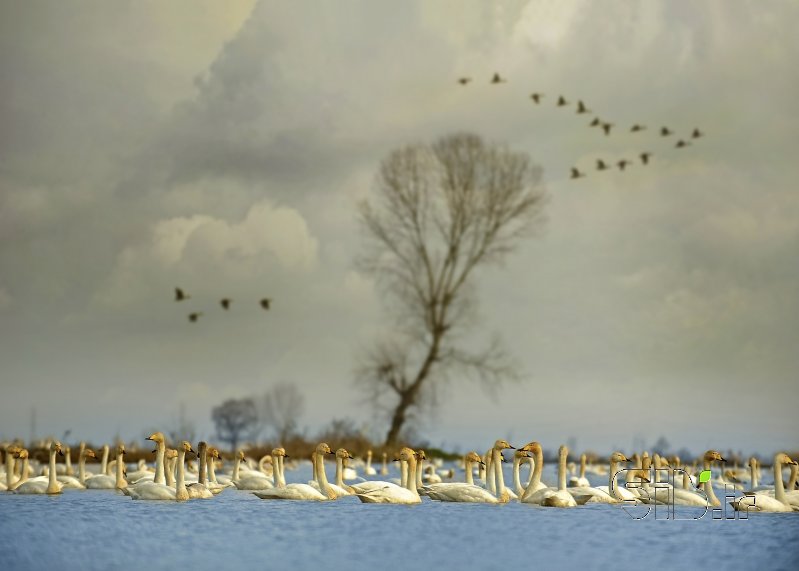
24 474
753 473
412 475
418 470
517 483
502 493
469 475
159 464
368 460
120 466
562 472
582 466
792 479
491 478
169 471
69 471
535 479
104 462
236 465
403 473
614 467
321 477
181 493
212 470
779 486
9 469
384 469
82 468
340 472
202 474
708 487
52 484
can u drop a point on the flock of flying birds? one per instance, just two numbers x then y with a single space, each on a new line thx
225 302
606 127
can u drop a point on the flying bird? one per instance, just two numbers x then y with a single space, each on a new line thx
665 132
635 128
265 303
576 173
595 123
225 303
464 80
645 157
606 127
600 165
680 144
498 79
193 317
623 164
696 134
536 97
562 101
581 108
180 295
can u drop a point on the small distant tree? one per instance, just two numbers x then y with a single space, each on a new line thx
281 408
661 446
235 420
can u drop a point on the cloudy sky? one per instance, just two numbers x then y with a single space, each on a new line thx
223 147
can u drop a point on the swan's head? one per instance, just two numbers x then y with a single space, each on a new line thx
521 454
20 453
342 453
502 445
420 455
617 457
170 453
563 451
664 463
323 448
241 455
89 453
713 455
120 449
157 437
533 448
783 459
474 457
406 454
55 446
186 447
213 452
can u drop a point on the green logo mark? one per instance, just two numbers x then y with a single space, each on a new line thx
704 476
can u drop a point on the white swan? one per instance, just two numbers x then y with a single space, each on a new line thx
340 488
575 481
369 470
22 455
535 485
52 485
559 498
764 502
302 492
462 491
106 482
388 493
153 491
384 467
249 480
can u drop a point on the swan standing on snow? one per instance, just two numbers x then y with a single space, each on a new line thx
300 491
52 486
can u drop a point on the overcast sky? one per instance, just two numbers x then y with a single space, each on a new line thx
223 147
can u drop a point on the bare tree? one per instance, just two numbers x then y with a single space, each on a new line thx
281 408
440 212
235 420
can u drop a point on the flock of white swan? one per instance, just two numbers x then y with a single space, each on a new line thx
639 479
